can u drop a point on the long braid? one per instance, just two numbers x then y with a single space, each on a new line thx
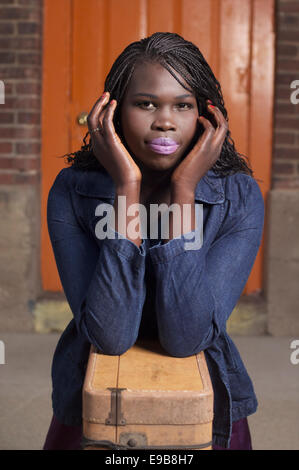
177 55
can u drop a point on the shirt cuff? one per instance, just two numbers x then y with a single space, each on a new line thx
189 242
123 245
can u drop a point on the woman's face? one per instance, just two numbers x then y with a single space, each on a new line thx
156 106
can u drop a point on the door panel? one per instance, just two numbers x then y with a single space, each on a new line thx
82 40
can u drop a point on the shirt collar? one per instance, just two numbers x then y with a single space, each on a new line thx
99 184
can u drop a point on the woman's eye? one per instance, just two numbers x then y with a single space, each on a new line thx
145 104
185 105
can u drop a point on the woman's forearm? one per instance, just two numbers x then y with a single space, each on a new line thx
184 221
130 195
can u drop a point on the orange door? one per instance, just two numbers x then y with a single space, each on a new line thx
81 41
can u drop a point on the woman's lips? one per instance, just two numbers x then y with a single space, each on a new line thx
163 145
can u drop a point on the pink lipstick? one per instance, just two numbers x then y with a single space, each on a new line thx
163 145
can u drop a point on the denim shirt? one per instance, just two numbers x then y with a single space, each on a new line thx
119 292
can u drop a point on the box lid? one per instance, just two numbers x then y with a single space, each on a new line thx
147 386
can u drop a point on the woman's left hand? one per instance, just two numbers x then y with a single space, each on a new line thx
204 154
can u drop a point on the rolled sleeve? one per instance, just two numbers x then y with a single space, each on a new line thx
164 253
198 289
126 248
104 285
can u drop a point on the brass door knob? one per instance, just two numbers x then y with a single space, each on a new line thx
82 118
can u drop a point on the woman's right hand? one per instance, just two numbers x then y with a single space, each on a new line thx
107 146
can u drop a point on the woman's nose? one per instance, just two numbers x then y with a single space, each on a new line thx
163 121
163 124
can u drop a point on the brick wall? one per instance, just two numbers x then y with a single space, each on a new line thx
21 72
20 145
20 69
285 169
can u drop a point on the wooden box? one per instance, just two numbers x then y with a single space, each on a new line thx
146 399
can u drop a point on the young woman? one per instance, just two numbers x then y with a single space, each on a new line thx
159 134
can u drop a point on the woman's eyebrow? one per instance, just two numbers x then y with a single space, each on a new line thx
156 97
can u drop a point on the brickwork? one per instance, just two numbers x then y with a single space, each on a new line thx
285 164
21 72
21 32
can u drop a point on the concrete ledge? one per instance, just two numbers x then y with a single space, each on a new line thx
20 278
52 314
282 263
249 317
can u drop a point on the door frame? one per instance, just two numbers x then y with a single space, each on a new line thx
57 110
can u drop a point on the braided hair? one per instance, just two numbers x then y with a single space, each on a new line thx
173 52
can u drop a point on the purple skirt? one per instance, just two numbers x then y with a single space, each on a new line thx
62 437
